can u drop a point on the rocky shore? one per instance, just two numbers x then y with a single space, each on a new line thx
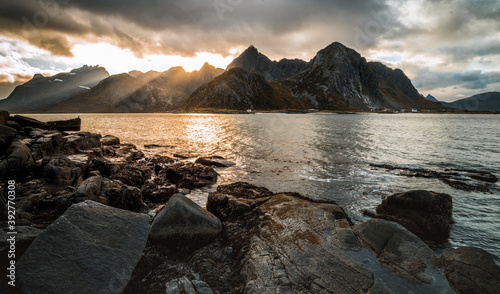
94 215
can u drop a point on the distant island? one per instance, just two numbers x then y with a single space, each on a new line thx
336 79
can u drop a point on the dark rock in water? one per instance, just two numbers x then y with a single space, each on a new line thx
110 140
92 248
30 122
133 175
61 171
471 270
4 117
189 175
159 193
398 250
244 190
125 197
17 162
73 124
182 221
426 214
76 142
214 161
6 136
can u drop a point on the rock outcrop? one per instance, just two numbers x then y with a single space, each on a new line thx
92 248
182 221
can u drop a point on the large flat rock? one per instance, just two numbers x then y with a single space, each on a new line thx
91 248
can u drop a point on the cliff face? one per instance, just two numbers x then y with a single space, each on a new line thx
240 89
253 61
40 90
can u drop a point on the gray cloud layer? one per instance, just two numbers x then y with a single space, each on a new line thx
457 31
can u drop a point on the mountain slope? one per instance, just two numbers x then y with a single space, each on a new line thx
239 89
40 90
253 61
489 101
138 92
431 98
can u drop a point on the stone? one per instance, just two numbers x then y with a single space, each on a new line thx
61 171
6 136
124 197
189 175
90 187
91 248
471 270
30 122
24 237
183 221
426 214
397 249
104 166
4 117
79 141
159 193
214 161
133 175
17 163
187 286
110 140
47 145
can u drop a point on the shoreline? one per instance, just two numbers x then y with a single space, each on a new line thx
78 169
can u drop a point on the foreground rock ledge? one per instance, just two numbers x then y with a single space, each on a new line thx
91 248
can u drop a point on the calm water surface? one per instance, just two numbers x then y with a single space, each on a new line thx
327 156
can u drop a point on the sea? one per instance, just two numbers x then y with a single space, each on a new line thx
328 156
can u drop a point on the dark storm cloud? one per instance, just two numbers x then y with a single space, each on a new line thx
472 80
184 28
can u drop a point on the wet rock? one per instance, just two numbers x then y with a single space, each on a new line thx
183 221
78 141
133 175
30 122
189 175
47 145
471 270
124 197
6 136
398 250
110 140
92 248
4 117
17 162
214 161
89 188
61 171
156 193
244 190
426 214
104 166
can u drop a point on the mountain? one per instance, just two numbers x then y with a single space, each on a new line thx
138 92
40 90
339 78
254 61
431 98
239 89
489 101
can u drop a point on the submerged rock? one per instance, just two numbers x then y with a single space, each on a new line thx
471 270
426 214
214 161
183 221
92 248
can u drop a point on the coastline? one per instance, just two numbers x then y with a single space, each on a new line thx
103 170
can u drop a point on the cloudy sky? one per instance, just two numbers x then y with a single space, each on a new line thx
449 48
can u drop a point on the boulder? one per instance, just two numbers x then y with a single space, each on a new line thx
6 136
89 188
24 237
471 270
183 221
47 144
161 193
18 161
399 250
61 171
124 197
214 161
92 248
4 117
79 141
110 140
189 175
426 214
104 166
133 175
